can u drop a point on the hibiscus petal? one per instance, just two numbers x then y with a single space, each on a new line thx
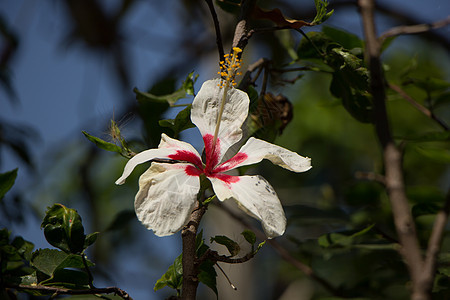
204 113
256 150
257 198
166 198
168 148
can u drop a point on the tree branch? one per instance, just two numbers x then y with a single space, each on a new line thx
404 223
62 291
417 105
217 28
189 261
413 29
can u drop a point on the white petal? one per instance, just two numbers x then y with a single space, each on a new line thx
257 198
168 148
256 150
205 110
166 198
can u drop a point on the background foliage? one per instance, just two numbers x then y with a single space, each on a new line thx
340 221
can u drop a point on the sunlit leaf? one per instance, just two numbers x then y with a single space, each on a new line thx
173 277
102 144
188 84
321 12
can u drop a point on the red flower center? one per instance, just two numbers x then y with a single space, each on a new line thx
211 167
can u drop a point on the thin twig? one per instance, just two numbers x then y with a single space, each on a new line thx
435 241
217 28
88 271
413 29
371 176
226 277
417 105
62 291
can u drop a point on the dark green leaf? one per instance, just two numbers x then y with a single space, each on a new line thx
102 144
90 239
425 209
63 229
341 239
181 122
208 275
430 84
24 248
186 89
428 137
346 39
67 278
249 236
231 245
48 260
7 180
315 46
231 6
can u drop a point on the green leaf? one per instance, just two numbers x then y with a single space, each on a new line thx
173 277
188 84
260 245
208 275
48 261
63 229
430 84
321 12
231 245
422 209
7 180
181 122
249 236
437 154
23 247
315 46
346 39
341 239
230 6
90 239
428 137
102 144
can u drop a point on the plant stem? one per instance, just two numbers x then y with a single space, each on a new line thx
189 261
